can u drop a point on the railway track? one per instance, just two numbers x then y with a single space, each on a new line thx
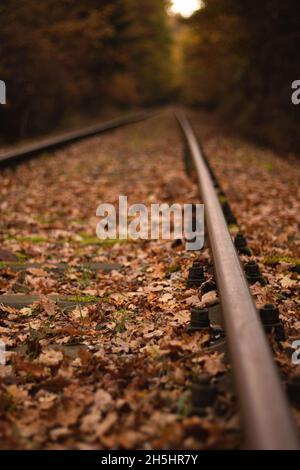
267 423
52 143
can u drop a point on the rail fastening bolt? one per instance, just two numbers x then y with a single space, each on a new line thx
269 314
199 319
253 273
196 275
252 268
240 242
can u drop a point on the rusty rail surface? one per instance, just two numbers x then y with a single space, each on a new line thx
51 143
265 411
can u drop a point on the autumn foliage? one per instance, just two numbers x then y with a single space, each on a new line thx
242 57
61 56
63 59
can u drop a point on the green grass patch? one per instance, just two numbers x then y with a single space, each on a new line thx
268 166
41 220
21 256
122 316
173 269
276 259
79 221
222 199
31 239
82 299
4 264
184 405
85 278
92 240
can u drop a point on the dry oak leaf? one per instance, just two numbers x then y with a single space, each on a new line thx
153 334
176 345
118 298
48 305
288 282
193 300
37 272
47 401
130 439
27 430
90 421
166 298
26 311
106 424
103 400
156 288
9 310
50 357
182 316
18 394
214 364
80 312
210 298
59 433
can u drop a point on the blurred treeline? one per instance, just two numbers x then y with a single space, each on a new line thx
240 57
65 56
62 59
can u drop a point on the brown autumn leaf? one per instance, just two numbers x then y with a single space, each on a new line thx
50 357
48 305
287 282
106 424
38 272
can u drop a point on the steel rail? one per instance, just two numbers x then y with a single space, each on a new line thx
51 143
265 412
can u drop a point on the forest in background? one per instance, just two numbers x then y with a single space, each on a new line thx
237 58
240 58
66 56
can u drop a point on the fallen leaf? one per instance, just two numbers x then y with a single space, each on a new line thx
50 357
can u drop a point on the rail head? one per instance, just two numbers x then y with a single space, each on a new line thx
51 143
264 407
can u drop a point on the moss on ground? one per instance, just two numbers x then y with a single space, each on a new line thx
7 264
276 259
92 240
32 239
222 199
82 299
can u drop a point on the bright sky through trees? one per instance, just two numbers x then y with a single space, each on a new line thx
185 7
